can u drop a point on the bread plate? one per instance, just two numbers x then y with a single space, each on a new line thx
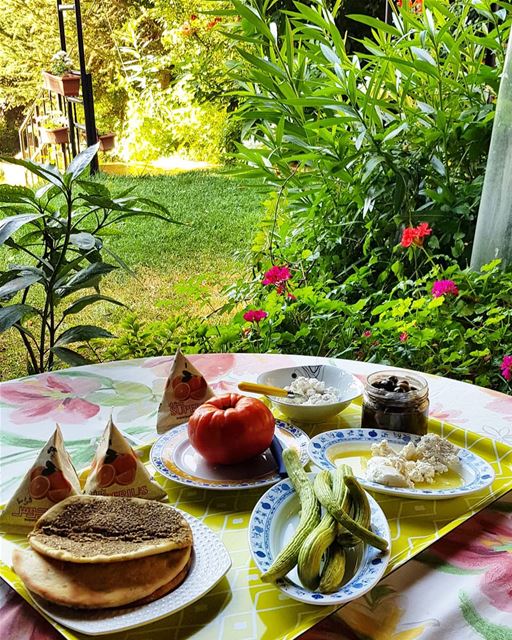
210 563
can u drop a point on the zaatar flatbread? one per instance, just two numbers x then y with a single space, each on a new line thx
101 585
92 529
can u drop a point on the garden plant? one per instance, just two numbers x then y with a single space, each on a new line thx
55 234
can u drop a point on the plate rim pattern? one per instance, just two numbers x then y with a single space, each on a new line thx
319 444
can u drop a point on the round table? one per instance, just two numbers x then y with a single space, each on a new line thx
460 589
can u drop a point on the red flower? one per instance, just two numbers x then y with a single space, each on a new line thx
404 336
193 17
255 315
367 333
415 235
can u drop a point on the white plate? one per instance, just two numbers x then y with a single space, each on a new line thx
273 522
173 456
475 472
210 562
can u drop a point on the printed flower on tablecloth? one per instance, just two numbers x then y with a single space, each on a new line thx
59 398
482 543
443 414
212 366
376 616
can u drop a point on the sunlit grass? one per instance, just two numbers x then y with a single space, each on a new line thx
170 261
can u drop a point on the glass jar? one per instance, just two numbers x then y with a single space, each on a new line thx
396 400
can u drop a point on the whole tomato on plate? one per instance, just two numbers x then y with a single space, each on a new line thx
231 428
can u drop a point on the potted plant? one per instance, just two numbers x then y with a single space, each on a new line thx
59 78
107 141
53 129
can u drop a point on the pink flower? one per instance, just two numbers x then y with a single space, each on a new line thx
367 333
255 315
478 545
59 398
444 287
276 275
404 336
506 367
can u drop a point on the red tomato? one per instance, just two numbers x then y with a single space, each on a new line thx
231 428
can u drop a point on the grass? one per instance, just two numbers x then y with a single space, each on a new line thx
171 262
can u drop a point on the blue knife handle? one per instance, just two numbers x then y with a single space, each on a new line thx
276 449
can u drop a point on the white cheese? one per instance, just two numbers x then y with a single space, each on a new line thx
421 463
312 390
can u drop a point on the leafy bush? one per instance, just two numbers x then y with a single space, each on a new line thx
357 147
464 334
55 232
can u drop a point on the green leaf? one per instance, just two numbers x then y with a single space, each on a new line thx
11 224
19 283
82 333
423 54
16 195
87 277
83 240
46 172
80 162
77 306
376 24
70 357
14 313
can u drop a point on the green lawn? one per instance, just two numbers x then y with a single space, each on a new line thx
170 260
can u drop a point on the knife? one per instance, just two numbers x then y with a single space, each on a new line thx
276 449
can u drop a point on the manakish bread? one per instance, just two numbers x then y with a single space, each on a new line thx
102 585
92 529
163 591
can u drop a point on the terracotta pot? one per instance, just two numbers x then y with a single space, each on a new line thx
54 136
68 85
107 141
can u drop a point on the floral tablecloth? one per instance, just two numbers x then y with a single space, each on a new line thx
460 588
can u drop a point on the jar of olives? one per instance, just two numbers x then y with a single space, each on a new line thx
396 400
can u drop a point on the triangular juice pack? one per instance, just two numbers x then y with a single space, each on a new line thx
185 390
117 471
50 479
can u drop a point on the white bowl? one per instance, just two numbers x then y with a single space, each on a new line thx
348 387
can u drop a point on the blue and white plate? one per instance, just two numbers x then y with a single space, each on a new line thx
472 472
174 457
273 522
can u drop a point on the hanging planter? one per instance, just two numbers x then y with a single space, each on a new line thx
60 78
66 85
53 128
107 141
54 136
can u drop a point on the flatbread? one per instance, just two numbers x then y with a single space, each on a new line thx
163 591
102 585
92 529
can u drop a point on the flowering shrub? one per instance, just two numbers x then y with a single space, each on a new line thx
444 287
358 145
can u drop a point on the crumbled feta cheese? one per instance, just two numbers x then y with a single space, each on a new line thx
382 448
314 390
381 470
432 455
